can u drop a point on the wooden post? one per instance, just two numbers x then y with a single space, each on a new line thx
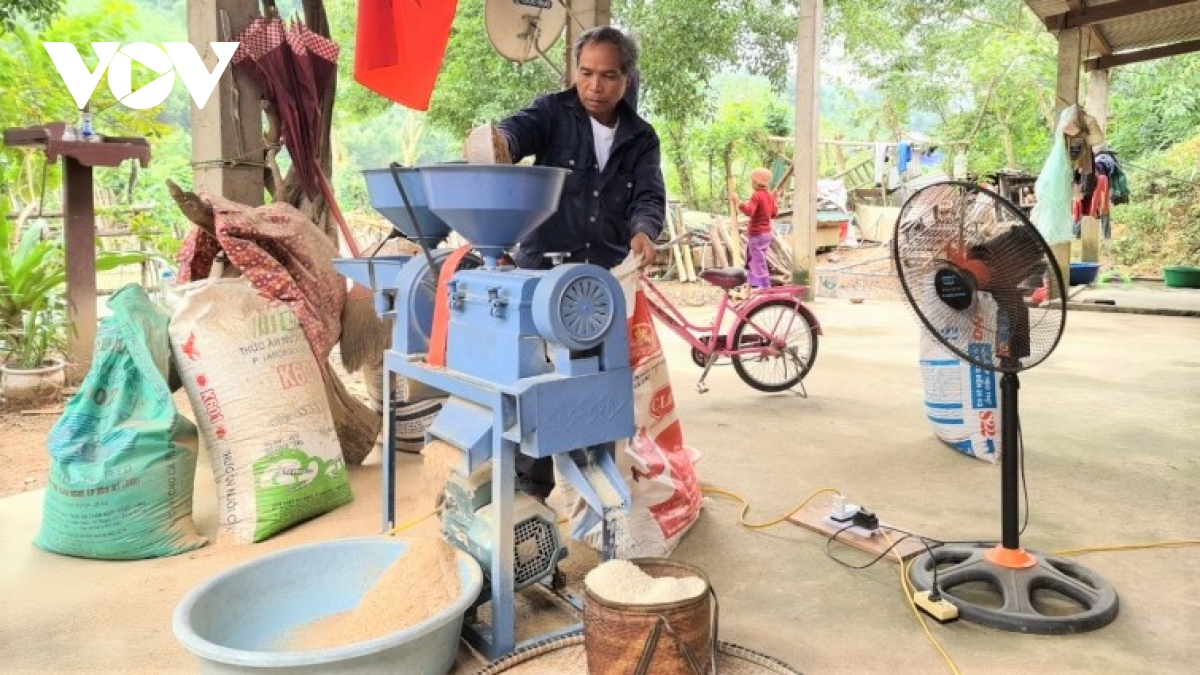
1070 56
1097 105
582 15
229 126
79 240
804 155
1097 97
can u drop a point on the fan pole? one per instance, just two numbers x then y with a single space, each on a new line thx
1010 462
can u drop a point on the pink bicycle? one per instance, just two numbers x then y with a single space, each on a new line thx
772 335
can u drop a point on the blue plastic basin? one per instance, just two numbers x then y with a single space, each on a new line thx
1083 273
387 200
492 206
234 620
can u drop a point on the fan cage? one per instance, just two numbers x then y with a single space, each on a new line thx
979 276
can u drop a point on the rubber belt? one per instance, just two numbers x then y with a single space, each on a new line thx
436 358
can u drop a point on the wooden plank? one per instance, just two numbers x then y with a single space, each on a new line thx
812 517
1126 58
1094 14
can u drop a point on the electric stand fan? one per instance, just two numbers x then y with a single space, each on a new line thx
967 260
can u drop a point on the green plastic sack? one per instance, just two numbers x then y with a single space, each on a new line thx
123 460
1054 189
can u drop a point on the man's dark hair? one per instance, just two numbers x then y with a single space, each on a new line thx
626 47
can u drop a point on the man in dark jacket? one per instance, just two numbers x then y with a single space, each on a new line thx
613 200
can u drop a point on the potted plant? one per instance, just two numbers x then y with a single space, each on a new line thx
33 318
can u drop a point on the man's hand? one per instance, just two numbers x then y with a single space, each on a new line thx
643 248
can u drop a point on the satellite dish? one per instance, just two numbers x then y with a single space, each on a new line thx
523 30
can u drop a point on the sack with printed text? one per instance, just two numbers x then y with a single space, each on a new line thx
659 469
260 404
122 458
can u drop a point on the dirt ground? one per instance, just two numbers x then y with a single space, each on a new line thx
24 461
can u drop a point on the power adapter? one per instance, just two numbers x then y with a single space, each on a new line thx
866 519
941 609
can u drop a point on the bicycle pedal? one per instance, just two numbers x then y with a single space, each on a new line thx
701 388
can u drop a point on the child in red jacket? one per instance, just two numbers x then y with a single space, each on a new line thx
761 208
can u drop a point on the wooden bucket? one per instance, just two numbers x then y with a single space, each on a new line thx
675 638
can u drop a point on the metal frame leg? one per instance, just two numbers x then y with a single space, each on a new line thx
389 452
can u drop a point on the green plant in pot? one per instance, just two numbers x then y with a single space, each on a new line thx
33 317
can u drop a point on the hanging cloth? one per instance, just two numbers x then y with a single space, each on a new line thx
399 45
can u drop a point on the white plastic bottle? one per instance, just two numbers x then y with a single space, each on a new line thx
166 291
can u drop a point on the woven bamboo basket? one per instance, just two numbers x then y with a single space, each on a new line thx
675 638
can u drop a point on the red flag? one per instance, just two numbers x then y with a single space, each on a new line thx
399 47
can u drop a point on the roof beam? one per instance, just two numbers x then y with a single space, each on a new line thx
1126 58
1101 43
1087 16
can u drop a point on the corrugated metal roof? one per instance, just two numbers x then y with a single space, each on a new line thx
1126 28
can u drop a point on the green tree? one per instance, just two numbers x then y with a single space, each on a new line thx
37 12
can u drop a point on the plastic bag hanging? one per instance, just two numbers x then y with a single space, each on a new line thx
1052 212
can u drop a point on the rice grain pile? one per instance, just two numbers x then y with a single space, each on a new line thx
624 582
423 581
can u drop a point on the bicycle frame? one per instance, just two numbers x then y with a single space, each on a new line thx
670 316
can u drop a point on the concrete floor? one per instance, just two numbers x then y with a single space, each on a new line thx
1110 422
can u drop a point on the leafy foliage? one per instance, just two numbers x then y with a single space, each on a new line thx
37 12
32 273
1154 104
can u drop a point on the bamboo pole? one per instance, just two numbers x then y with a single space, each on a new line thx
676 257
686 246
735 243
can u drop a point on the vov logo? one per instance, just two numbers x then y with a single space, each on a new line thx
172 58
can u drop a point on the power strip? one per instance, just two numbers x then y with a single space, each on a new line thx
940 610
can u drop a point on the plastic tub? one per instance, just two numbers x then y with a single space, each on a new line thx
1181 276
1083 273
232 620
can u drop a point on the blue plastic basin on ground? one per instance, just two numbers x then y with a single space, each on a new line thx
1083 273
233 620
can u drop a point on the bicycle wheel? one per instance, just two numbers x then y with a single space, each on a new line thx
775 320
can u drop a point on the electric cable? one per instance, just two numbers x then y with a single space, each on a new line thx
412 523
1177 543
908 596
746 505
883 554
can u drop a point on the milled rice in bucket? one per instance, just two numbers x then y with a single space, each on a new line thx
623 581
648 608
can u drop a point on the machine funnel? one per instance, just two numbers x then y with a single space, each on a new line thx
385 197
492 206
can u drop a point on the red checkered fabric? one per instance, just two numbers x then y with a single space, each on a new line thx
283 255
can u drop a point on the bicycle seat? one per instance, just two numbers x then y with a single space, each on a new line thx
724 277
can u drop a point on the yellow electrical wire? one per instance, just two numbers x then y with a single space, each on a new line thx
909 592
412 523
1181 543
746 505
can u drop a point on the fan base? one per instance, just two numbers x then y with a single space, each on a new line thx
1053 596
1010 558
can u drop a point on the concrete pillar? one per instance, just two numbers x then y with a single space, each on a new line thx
1097 97
229 127
807 140
1070 58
